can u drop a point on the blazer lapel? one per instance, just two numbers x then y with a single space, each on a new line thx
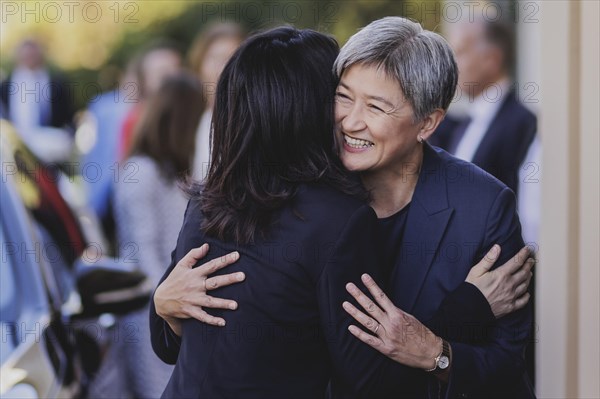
426 223
484 155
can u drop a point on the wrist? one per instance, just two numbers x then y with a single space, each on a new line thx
442 360
175 325
434 353
159 306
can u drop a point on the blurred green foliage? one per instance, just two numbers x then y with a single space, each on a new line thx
93 54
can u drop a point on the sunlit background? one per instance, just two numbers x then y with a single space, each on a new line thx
91 41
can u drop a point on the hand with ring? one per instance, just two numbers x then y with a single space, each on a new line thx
395 333
184 293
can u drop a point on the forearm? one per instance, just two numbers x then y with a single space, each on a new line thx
484 368
463 316
166 338
165 335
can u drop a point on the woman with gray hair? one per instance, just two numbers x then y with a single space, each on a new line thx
437 215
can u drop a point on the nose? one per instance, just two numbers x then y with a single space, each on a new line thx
350 118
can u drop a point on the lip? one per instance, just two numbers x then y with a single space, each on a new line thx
348 148
354 150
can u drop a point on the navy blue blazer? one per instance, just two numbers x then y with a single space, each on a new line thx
505 144
289 337
458 212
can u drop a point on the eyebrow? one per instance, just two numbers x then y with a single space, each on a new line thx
377 98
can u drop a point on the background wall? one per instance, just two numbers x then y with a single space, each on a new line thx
568 303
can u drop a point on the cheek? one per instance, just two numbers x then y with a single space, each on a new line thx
338 113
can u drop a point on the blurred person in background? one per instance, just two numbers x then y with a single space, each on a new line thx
156 63
108 113
149 209
499 133
210 51
38 103
33 95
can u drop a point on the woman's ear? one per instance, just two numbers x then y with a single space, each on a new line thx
431 122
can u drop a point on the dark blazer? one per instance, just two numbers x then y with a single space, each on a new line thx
505 144
289 336
61 101
456 215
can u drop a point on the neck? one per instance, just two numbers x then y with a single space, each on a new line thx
393 188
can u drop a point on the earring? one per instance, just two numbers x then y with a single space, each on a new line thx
420 138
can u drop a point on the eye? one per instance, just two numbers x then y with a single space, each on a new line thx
375 108
342 97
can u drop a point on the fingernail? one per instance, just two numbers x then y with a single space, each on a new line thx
240 276
530 249
365 277
235 255
495 249
345 305
351 287
222 323
233 306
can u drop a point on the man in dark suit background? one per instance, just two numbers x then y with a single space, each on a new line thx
32 95
499 132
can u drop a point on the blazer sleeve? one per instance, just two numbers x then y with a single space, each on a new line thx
464 315
477 369
357 369
165 342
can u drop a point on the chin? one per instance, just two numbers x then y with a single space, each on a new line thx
353 166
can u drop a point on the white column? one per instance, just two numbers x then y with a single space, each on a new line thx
589 204
568 279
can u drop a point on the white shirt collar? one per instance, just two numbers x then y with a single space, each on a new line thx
487 103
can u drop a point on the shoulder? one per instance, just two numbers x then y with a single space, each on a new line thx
329 203
56 76
463 179
516 112
137 175
326 214
143 166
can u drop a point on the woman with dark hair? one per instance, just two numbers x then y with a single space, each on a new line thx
277 194
149 208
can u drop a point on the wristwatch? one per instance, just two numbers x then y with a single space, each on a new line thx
442 361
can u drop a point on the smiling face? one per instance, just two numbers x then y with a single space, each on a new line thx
374 122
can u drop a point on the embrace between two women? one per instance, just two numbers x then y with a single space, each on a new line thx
322 182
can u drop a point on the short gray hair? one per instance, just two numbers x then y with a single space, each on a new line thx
420 61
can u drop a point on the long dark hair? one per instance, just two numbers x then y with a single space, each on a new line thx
273 130
166 131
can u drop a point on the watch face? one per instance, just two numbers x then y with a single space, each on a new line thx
443 363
